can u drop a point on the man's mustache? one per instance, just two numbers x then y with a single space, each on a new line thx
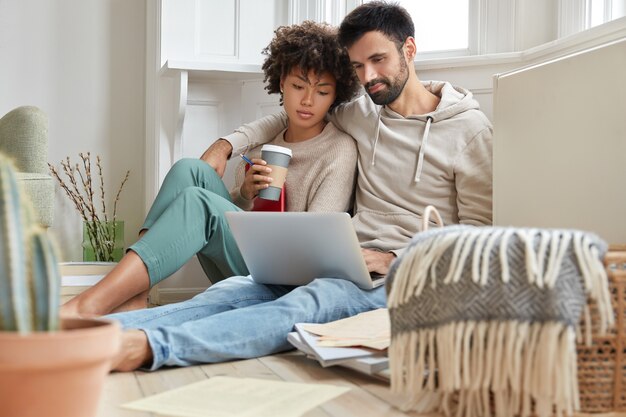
376 81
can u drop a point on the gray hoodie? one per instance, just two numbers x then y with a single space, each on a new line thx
443 158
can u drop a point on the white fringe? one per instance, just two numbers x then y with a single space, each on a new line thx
497 368
506 368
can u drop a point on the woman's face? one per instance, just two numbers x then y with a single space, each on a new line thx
307 99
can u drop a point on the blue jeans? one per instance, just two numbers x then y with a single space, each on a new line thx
187 219
237 318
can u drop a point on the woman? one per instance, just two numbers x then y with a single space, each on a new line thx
312 73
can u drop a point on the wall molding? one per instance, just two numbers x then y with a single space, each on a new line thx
152 116
260 106
216 104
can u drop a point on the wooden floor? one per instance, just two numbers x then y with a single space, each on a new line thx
368 396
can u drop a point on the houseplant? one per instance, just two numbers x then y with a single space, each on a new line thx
103 234
48 367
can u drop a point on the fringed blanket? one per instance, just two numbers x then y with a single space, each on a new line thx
483 320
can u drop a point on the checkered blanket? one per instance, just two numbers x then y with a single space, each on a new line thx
483 319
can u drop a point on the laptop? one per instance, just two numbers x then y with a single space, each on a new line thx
294 248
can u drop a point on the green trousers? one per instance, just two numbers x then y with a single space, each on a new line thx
187 219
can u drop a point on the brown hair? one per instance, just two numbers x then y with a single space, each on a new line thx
310 46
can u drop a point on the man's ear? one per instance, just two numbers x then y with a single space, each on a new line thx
410 48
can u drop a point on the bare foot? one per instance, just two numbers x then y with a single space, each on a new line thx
134 353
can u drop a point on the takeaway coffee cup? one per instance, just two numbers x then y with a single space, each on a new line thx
277 158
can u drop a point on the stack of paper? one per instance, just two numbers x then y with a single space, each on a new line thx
358 342
369 329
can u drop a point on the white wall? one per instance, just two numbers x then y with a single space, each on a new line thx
83 63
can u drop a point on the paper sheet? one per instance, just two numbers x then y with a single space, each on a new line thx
238 397
370 329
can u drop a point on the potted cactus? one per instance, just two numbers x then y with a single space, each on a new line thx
48 367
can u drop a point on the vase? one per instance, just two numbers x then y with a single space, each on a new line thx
103 241
57 374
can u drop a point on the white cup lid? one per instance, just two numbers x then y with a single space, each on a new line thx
275 148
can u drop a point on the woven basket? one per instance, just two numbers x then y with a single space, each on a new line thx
602 366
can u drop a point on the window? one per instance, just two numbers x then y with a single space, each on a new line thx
602 11
441 25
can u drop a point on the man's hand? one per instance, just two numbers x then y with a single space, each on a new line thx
217 155
376 261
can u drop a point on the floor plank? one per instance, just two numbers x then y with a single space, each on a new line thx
248 368
355 403
167 379
120 388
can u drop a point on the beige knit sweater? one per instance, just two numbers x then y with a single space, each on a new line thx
320 176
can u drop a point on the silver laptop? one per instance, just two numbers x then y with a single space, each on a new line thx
295 248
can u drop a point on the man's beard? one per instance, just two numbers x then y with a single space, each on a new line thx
394 87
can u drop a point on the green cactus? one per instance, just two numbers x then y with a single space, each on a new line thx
29 273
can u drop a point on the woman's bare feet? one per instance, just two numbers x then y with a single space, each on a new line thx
134 353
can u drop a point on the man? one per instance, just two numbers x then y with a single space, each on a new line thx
419 144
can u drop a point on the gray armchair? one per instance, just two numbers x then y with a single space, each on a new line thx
24 138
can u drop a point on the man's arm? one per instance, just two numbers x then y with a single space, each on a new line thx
217 155
245 137
474 180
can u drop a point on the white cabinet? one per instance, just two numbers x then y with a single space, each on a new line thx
219 31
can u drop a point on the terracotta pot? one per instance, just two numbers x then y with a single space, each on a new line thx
56 374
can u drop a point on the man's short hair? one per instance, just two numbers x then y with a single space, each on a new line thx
389 18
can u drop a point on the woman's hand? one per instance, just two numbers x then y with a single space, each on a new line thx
255 179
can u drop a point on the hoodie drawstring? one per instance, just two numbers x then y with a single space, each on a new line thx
376 139
420 158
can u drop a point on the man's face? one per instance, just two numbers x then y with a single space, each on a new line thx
380 66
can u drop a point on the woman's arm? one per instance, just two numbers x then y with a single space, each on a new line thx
245 137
